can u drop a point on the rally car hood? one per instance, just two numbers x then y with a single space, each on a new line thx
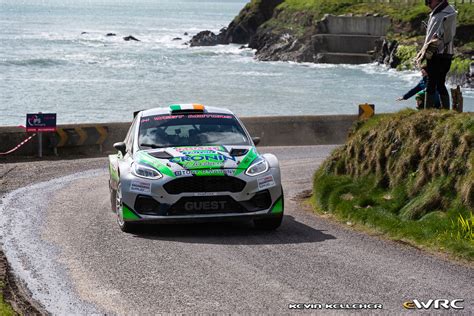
175 161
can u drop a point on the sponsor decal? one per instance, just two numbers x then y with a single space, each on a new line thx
140 187
435 304
194 158
266 182
205 205
181 116
213 116
211 172
206 193
199 150
335 306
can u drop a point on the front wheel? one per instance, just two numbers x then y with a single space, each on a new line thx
124 225
113 200
270 223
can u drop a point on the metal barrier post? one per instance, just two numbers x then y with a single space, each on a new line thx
40 144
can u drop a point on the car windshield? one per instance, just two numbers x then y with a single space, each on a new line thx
190 130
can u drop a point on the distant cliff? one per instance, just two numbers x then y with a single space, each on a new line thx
285 29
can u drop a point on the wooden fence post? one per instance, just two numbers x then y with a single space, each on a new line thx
456 95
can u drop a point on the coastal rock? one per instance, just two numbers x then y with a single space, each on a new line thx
242 28
131 38
245 25
271 46
207 38
386 53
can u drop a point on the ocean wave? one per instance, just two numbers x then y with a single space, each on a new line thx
41 62
255 74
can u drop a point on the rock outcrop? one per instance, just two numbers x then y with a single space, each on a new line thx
320 42
207 38
242 28
386 53
131 38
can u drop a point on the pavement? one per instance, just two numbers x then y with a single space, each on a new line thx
62 241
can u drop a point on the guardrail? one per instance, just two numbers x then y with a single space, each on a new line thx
92 139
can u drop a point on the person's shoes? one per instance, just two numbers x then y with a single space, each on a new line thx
429 101
444 99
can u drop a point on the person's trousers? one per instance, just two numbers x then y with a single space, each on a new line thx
437 69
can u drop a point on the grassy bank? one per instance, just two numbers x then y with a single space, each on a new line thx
5 309
407 53
409 176
320 7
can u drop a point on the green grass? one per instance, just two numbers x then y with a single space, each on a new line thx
459 66
407 54
403 12
5 309
465 14
409 176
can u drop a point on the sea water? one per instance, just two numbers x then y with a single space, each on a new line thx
55 57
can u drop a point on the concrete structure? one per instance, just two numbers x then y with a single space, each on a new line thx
349 39
360 25
273 131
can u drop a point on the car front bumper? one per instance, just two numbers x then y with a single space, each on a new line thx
150 201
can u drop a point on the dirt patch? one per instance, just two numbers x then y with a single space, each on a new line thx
15 294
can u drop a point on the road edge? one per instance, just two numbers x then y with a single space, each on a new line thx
14 293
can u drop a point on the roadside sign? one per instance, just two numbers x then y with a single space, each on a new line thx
41 122
366 111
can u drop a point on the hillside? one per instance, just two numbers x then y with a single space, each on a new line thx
408 175
283 30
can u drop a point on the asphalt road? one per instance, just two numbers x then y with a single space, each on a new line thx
63 242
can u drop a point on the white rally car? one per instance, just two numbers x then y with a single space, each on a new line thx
189 163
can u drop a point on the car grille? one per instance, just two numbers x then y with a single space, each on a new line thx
204 184
206 205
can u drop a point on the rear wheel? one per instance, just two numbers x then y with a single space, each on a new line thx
125 226
270 223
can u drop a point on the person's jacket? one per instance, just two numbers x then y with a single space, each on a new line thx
420 87
442 23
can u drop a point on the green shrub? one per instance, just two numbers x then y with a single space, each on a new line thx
406 54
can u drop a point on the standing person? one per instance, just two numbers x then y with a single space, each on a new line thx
420 91
438 50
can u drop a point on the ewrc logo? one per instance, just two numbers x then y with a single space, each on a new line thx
436 304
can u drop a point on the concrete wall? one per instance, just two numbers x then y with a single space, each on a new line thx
343 43
273 131
360 25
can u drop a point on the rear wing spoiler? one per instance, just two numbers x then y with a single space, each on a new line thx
136 113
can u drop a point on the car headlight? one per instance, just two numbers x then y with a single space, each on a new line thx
145 172
259 166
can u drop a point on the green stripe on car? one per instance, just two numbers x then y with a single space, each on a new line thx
146 158
128 213
245 163
278 206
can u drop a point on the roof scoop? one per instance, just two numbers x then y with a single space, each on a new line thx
161 154
236 152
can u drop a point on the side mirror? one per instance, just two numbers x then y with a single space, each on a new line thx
120 146
256 140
